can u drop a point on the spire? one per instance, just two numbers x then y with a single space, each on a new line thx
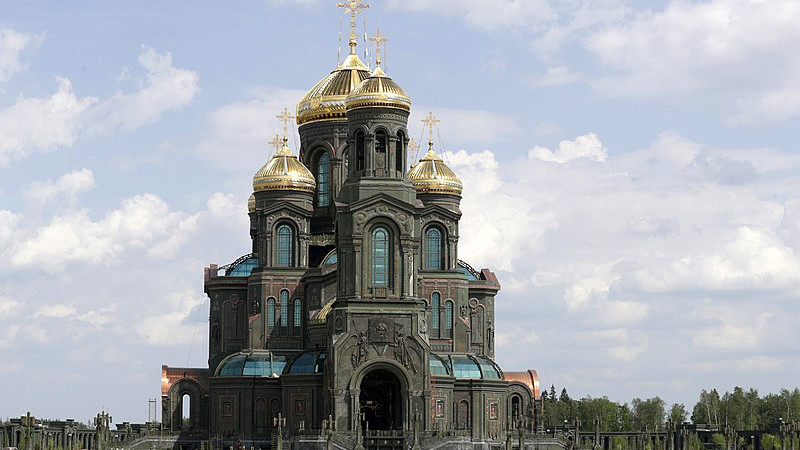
379 40
430 121
353 7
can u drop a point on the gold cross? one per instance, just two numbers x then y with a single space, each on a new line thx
285 117
430 121
277 142
379 40
413 148
353 7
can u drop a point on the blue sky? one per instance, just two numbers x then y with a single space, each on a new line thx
631 172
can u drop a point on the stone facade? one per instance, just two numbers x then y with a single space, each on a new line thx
367 323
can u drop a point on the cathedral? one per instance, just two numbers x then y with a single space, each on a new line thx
351 315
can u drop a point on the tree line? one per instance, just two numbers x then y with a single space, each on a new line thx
740 410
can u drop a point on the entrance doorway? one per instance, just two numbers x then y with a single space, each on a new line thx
381 401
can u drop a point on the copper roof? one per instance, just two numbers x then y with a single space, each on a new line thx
529 378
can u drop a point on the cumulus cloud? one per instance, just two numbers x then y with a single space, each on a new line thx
69 184
714 48
12 45
9 307
587 146
39 124
556 76
57 311
164 88
43 123
177 324
141 222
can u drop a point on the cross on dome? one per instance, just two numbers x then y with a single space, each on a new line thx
277 142
379 39
430 120
285 117
353 7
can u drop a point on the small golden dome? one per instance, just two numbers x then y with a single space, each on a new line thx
284 172
251 203
325 101
432 176
378 90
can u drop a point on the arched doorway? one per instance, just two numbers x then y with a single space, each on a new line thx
381 401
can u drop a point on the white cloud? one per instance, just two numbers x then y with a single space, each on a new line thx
9 307
70 184
12 44
556 76
44 123
141 222
463 127
485 15
245 127
58 311
8 334
165 88
587 146
37 124
179 322
8 225
717 49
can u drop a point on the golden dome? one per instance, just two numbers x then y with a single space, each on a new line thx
325 101
251 203
284 172
378 90
432 176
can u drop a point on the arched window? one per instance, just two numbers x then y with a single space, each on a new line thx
400 163
448 317
284 308
360 150
261 412
324 180
186 410
298 313
380 257
270 312
436 303
433 249
380 141
285 243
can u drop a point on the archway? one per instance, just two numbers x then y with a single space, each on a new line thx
381 401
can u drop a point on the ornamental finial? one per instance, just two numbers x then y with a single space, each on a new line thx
430 121
379 40
285 117
276 143
353 7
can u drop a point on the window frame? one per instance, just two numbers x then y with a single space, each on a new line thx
441 248
281 253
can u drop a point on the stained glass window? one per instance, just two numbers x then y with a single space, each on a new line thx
433 249
380 257
324 180
448 315
285 246
284 308
298 313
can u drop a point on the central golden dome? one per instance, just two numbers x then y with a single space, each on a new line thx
432 176
378 90
284 172
325 101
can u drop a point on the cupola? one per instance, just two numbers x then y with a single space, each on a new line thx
432 176
284 172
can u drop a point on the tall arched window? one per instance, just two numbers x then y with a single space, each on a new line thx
433 249
324 180
360 150
436 303
380 141
285 240
298 313
270 312
380 257
400 160
448 317
284 308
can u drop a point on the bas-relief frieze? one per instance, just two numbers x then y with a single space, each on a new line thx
381 335
402 219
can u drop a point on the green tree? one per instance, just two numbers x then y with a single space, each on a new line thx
649 413
770 442
678 413
706 410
